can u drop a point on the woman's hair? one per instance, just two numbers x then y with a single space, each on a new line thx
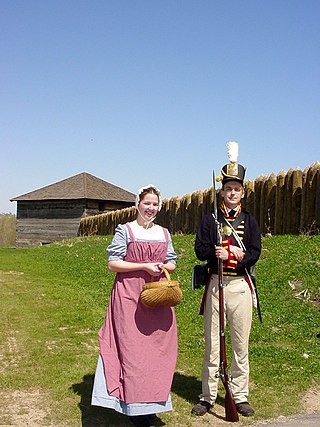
150 190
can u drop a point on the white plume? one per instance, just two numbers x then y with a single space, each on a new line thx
233 151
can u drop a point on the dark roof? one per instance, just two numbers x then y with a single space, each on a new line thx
81 186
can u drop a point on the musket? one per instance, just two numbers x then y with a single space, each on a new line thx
230 406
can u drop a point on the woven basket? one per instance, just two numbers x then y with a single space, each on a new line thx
161 293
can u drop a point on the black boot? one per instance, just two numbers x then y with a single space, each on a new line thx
201 408
245 409
141 420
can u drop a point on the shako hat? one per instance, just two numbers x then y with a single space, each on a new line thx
232 171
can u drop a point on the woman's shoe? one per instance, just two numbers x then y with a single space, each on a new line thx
141 421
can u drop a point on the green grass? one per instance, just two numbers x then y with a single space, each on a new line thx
53 302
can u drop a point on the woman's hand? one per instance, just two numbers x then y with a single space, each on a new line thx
153 268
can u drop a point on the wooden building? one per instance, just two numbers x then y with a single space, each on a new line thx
53 212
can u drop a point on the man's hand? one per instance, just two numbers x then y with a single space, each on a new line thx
237 252
221 253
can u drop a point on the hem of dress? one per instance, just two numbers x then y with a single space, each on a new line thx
131 409
101 397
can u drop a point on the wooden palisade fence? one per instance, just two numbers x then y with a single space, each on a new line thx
288 203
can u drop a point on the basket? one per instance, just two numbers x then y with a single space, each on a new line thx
161 293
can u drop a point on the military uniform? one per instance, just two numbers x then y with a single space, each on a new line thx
237 290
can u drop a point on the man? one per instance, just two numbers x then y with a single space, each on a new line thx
240 249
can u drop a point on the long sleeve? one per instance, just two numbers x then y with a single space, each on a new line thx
206 241
252 242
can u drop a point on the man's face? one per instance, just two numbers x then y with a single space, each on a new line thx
232 192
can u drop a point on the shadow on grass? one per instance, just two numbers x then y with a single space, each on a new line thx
188 388
95 416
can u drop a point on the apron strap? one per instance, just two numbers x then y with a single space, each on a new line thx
130 233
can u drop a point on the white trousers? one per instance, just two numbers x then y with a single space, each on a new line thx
238 314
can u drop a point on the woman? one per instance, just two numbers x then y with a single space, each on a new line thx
138 345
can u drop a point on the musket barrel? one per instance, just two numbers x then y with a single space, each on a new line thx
230 406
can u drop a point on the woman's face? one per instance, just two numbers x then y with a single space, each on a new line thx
149 206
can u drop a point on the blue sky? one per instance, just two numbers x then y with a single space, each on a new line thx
145 91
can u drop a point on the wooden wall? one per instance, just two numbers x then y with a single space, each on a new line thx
287 203
44 221
35 231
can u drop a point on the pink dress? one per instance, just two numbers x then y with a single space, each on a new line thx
138 345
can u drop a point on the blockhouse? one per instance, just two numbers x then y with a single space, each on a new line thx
54 212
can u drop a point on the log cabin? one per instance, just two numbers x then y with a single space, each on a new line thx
54 212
